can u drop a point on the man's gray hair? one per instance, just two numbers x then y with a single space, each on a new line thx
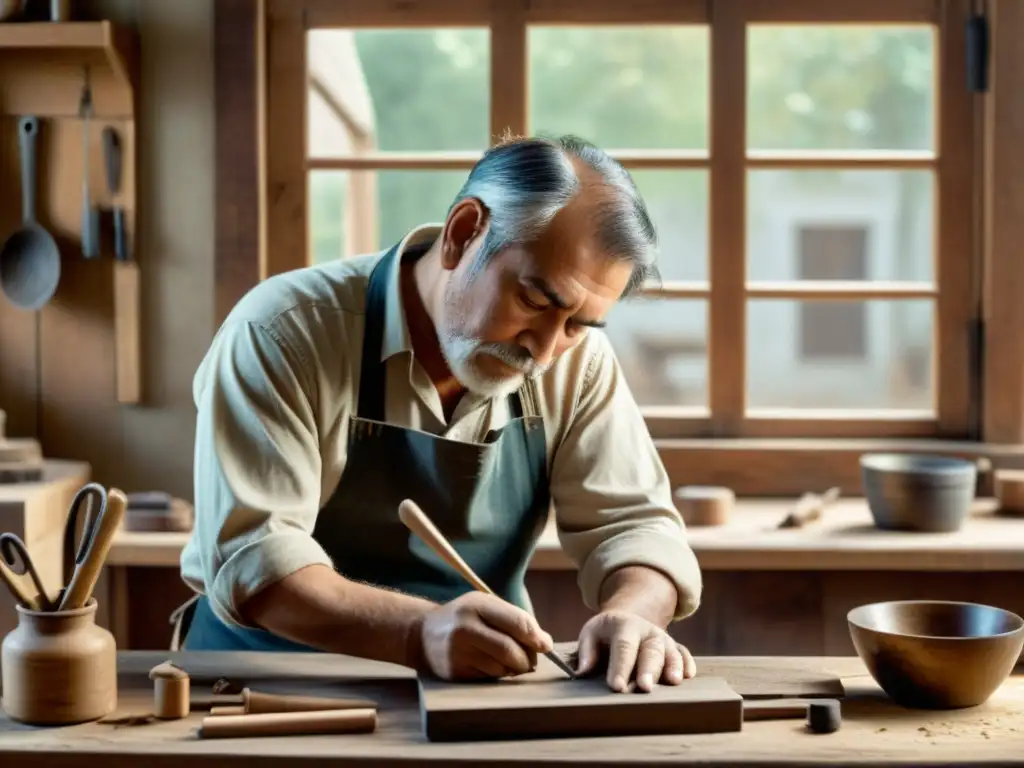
524 182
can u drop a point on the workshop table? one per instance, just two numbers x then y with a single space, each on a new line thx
874 732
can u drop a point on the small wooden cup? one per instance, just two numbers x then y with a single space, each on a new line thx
1009 490
59 667
702 505
171 691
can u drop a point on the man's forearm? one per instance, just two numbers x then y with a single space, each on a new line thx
318 607
644 591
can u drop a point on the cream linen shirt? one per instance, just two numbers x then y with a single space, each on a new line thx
278 386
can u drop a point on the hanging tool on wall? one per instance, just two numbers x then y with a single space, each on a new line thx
90 213
112 159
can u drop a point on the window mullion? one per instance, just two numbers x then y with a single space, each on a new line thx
956 250
509 69
727 321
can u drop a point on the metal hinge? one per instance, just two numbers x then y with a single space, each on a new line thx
977 46
976 352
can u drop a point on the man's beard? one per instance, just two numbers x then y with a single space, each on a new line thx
461 351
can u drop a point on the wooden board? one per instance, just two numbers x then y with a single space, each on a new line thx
758 678
545 703
772 678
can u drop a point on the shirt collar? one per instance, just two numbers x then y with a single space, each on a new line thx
396 331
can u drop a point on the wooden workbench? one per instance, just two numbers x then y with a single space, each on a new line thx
766 591
875 731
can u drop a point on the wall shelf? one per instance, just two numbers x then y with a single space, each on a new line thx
43 66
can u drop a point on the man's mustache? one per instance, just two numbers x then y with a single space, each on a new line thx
514 355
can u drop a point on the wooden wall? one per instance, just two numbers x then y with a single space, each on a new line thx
57 368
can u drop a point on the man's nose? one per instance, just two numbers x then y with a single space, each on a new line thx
545 341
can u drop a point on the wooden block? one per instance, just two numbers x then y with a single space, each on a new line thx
702 505
545 704
1009 490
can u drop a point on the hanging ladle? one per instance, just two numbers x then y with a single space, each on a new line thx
29 259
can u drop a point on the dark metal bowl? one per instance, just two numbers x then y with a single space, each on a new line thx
936 654
924 493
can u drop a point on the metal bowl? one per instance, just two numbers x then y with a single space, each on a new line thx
924 493
936 654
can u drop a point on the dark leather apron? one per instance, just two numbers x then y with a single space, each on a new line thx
490 499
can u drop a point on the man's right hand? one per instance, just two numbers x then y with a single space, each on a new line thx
478 635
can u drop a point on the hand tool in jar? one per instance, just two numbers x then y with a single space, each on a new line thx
21 575
93 552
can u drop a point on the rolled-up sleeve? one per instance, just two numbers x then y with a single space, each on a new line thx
611 492
257 467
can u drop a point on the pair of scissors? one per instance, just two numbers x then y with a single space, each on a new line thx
21 575
90 501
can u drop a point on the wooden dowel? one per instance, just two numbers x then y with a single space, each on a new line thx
333 721
256 703
231 709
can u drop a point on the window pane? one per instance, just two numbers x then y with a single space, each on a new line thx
678 204
840 225
621 87
874 354
662 347
398 90
841 87
353 212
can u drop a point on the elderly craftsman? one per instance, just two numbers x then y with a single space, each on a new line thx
465 368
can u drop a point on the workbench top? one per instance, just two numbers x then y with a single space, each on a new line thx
844 539
874 731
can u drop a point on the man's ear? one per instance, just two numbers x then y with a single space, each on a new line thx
465 222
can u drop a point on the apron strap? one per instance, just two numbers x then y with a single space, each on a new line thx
371 378
181 620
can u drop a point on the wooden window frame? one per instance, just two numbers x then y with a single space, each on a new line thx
974 137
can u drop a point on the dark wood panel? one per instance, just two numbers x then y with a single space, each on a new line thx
237 31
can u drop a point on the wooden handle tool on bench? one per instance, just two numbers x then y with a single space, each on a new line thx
823 715
416 521
87 570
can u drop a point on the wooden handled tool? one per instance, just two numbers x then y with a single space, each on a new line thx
809 508
289 723
257 703
101 533
417 522
823 715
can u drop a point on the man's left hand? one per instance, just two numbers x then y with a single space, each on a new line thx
634 645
